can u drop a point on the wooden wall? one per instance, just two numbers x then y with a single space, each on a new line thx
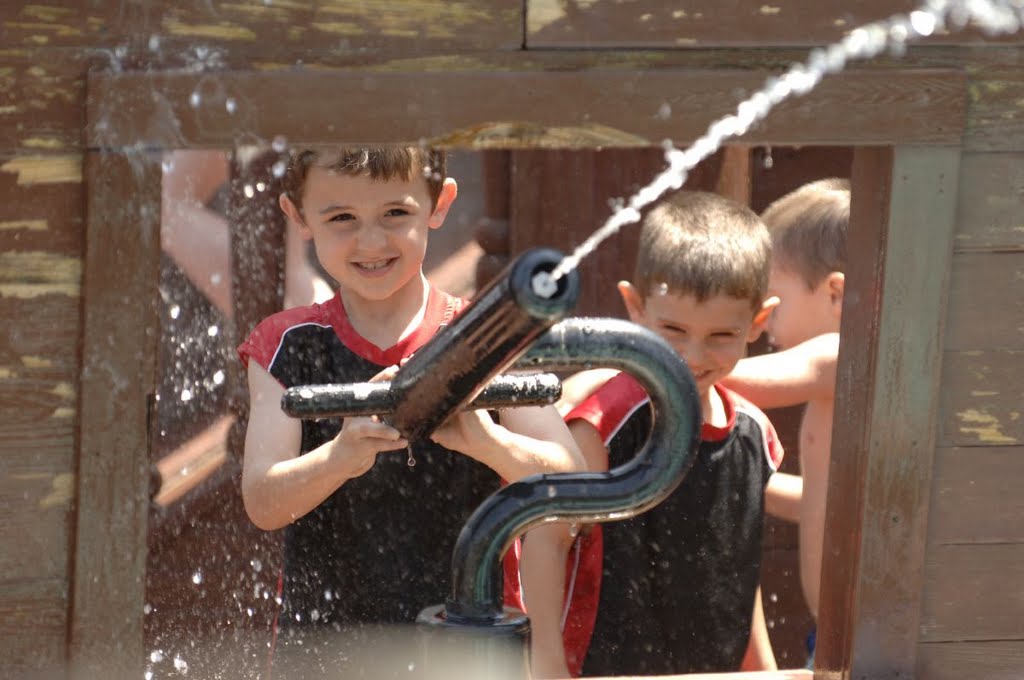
973 605
972 619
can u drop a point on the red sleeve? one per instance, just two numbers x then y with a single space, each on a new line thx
610 405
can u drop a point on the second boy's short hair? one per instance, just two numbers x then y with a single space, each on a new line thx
702 244
379 163
808 228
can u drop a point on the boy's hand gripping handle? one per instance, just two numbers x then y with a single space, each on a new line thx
458 364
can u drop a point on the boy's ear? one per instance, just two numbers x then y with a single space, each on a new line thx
836 282
291 211
449 190
761 318
633 300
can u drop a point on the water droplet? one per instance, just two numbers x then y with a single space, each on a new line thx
256 565
197 577
280 144
249 611
261 187
923 22
328 595
664 111
216 278
551 491
148 675
771 623
279 168
175 311
180 665
218 378
768 162
230 105
212 331
412 459
154 42
773 597
249 191
314 615
195 99
662 288
147 608
156 656
186 395
412 667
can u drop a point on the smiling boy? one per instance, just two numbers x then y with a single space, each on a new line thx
679 584
368 536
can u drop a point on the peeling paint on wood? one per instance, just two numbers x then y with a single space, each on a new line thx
36 362
61 492
984 426
27 225
63 390
45 169
35 273
215 31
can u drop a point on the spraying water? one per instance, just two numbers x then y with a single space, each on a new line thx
991 16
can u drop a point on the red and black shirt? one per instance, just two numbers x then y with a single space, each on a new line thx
677 583
379 549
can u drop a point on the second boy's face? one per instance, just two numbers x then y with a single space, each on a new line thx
711 335
371 236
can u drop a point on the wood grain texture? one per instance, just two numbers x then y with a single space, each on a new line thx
974 592
986 302
42 102
989 218
982 398
33 628
976 496
883 441
513 108
706 23
253 28
121 269
995 112
990 660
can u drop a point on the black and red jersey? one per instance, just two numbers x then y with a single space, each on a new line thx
379 549
677 583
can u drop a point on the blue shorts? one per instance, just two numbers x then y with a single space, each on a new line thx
812 640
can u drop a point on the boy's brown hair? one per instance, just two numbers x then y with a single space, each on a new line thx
702 244
808 228
380 163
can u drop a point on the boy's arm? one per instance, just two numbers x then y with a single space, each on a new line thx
279 485
759 655
542 567
529 440
794 376
782 496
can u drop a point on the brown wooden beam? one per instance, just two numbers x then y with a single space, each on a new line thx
119 293
887 394
513 109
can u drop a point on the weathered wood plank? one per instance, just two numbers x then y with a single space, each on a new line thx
206 27
976 496
708 23
981 284
33 628
121 269
995 112
513 109
974 592
990 217
982 399
42 102
35 495
994 660
883 442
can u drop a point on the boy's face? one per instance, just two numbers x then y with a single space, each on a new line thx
711 335
803 312
371 236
